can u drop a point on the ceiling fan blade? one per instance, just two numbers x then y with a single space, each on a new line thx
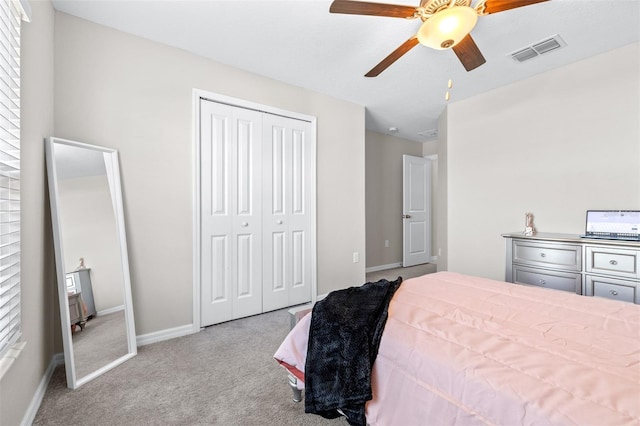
368 8
468 53
494 6
394 56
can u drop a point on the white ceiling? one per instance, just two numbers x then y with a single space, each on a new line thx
299 42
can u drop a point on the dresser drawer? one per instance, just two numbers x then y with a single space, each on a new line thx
75 308
611 288
548 255
610 261
557 280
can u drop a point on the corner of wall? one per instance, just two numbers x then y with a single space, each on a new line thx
441 249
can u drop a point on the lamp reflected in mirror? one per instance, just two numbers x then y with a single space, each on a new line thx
91 258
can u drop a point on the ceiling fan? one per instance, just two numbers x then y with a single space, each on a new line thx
446 24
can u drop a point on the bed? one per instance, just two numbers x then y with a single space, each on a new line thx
465 350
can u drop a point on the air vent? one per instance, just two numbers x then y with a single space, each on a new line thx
524 54
539 48
546 46
429 134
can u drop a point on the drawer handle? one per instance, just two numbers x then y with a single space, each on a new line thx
543 282
543 255
613 292
613 262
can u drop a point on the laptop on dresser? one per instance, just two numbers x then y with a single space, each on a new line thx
613 225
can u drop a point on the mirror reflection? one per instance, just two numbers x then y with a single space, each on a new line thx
91 259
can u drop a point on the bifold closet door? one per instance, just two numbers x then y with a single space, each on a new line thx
286 212
231 212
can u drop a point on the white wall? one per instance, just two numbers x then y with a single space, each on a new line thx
556 145
39 300
442 234
125 92
430 149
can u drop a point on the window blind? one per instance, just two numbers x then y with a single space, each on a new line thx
11 15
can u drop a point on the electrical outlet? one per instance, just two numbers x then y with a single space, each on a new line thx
356 257
386 243
439 252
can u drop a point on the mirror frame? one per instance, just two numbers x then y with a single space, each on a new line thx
74 382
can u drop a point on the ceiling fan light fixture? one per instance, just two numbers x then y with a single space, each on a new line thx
447 27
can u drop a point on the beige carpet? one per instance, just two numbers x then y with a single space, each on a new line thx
103 340
224 375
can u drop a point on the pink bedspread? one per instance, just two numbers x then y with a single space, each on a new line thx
465 350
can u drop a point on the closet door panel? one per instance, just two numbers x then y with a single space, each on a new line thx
216 221
278 267
247 214
276 195
218 156
299 215
298 175
219 289
298 259
286 190
231 212
244 167
276 165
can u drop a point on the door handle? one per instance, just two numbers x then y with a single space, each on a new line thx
406 216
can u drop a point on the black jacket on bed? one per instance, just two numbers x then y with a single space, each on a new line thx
344 336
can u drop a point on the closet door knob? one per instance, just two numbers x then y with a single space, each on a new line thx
245 223
279 222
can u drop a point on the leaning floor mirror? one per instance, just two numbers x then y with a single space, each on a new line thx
92 267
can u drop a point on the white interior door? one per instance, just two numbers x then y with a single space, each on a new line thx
231 212
416 221
286 212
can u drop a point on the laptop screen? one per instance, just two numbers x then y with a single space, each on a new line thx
621 223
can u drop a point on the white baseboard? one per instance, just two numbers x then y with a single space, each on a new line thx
383 267
299 308
110 310
433 259
32 410
159 336
58 359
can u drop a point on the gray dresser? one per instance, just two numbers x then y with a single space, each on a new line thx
590 267
80 282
